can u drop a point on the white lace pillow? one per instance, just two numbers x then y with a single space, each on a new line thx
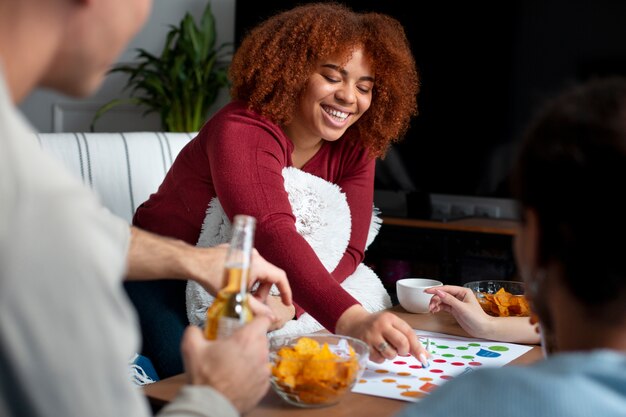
322 218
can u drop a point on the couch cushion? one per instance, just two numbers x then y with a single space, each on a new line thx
123 168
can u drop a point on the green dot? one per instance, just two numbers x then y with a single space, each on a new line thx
461 348
448 355
474 344
443 347
498 348
467 357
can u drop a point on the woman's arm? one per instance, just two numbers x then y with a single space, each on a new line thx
463 305
358 185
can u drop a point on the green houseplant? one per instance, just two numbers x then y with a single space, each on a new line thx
183 82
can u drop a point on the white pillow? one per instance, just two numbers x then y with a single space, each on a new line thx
323 219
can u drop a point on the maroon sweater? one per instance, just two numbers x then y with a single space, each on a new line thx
238 156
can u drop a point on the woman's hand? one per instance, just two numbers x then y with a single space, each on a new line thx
282 313
386 334
463 305
266 275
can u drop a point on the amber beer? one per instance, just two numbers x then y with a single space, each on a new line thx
230 309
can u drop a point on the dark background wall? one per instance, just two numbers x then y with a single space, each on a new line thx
484 68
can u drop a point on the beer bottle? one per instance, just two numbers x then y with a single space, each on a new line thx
230 309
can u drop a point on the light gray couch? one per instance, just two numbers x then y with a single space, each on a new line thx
123 168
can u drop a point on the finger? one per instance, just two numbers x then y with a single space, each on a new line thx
450 300
260 309
386 349
399 341
258 326
433 305
415 348
267 275
375 355
262 291
192 341
453 290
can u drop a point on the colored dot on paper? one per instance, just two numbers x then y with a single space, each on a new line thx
475 363
461 348
362 381
428 387
381 371
498 348
404 373
425 378
448 355
457 363
447 377
389 380
436 371
443 347
474 344
439 360
400 362
467 357
404 386
412 394
415 366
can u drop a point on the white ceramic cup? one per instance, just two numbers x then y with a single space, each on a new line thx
411 293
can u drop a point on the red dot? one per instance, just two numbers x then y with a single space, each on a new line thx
447 377
400 362
436 371
457 363
439 360
415 366
475 363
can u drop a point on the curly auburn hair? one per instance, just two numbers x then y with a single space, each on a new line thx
270 69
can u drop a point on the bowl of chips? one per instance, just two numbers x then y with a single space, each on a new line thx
501 298
316 370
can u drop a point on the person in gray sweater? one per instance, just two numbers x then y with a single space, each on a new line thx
67 329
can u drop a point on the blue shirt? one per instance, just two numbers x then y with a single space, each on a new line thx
591 384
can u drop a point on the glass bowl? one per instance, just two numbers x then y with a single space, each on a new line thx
501 298
316 370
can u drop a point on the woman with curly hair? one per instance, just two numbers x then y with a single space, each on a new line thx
325 90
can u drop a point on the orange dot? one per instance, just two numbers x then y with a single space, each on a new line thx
404 386
413 394
362 381
425 378
382 371
389 380
404 373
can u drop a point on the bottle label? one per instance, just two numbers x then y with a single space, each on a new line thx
227 326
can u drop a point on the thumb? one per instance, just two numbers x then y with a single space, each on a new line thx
260 309
258 326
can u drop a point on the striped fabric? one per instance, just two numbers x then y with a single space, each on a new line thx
123 168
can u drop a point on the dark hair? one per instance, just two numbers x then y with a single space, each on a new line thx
270 69
570 170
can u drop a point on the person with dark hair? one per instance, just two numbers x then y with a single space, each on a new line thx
570 255
325 90
67 330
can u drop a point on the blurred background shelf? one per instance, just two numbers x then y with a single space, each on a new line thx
454 251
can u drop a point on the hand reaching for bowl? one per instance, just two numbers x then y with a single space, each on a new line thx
463 305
